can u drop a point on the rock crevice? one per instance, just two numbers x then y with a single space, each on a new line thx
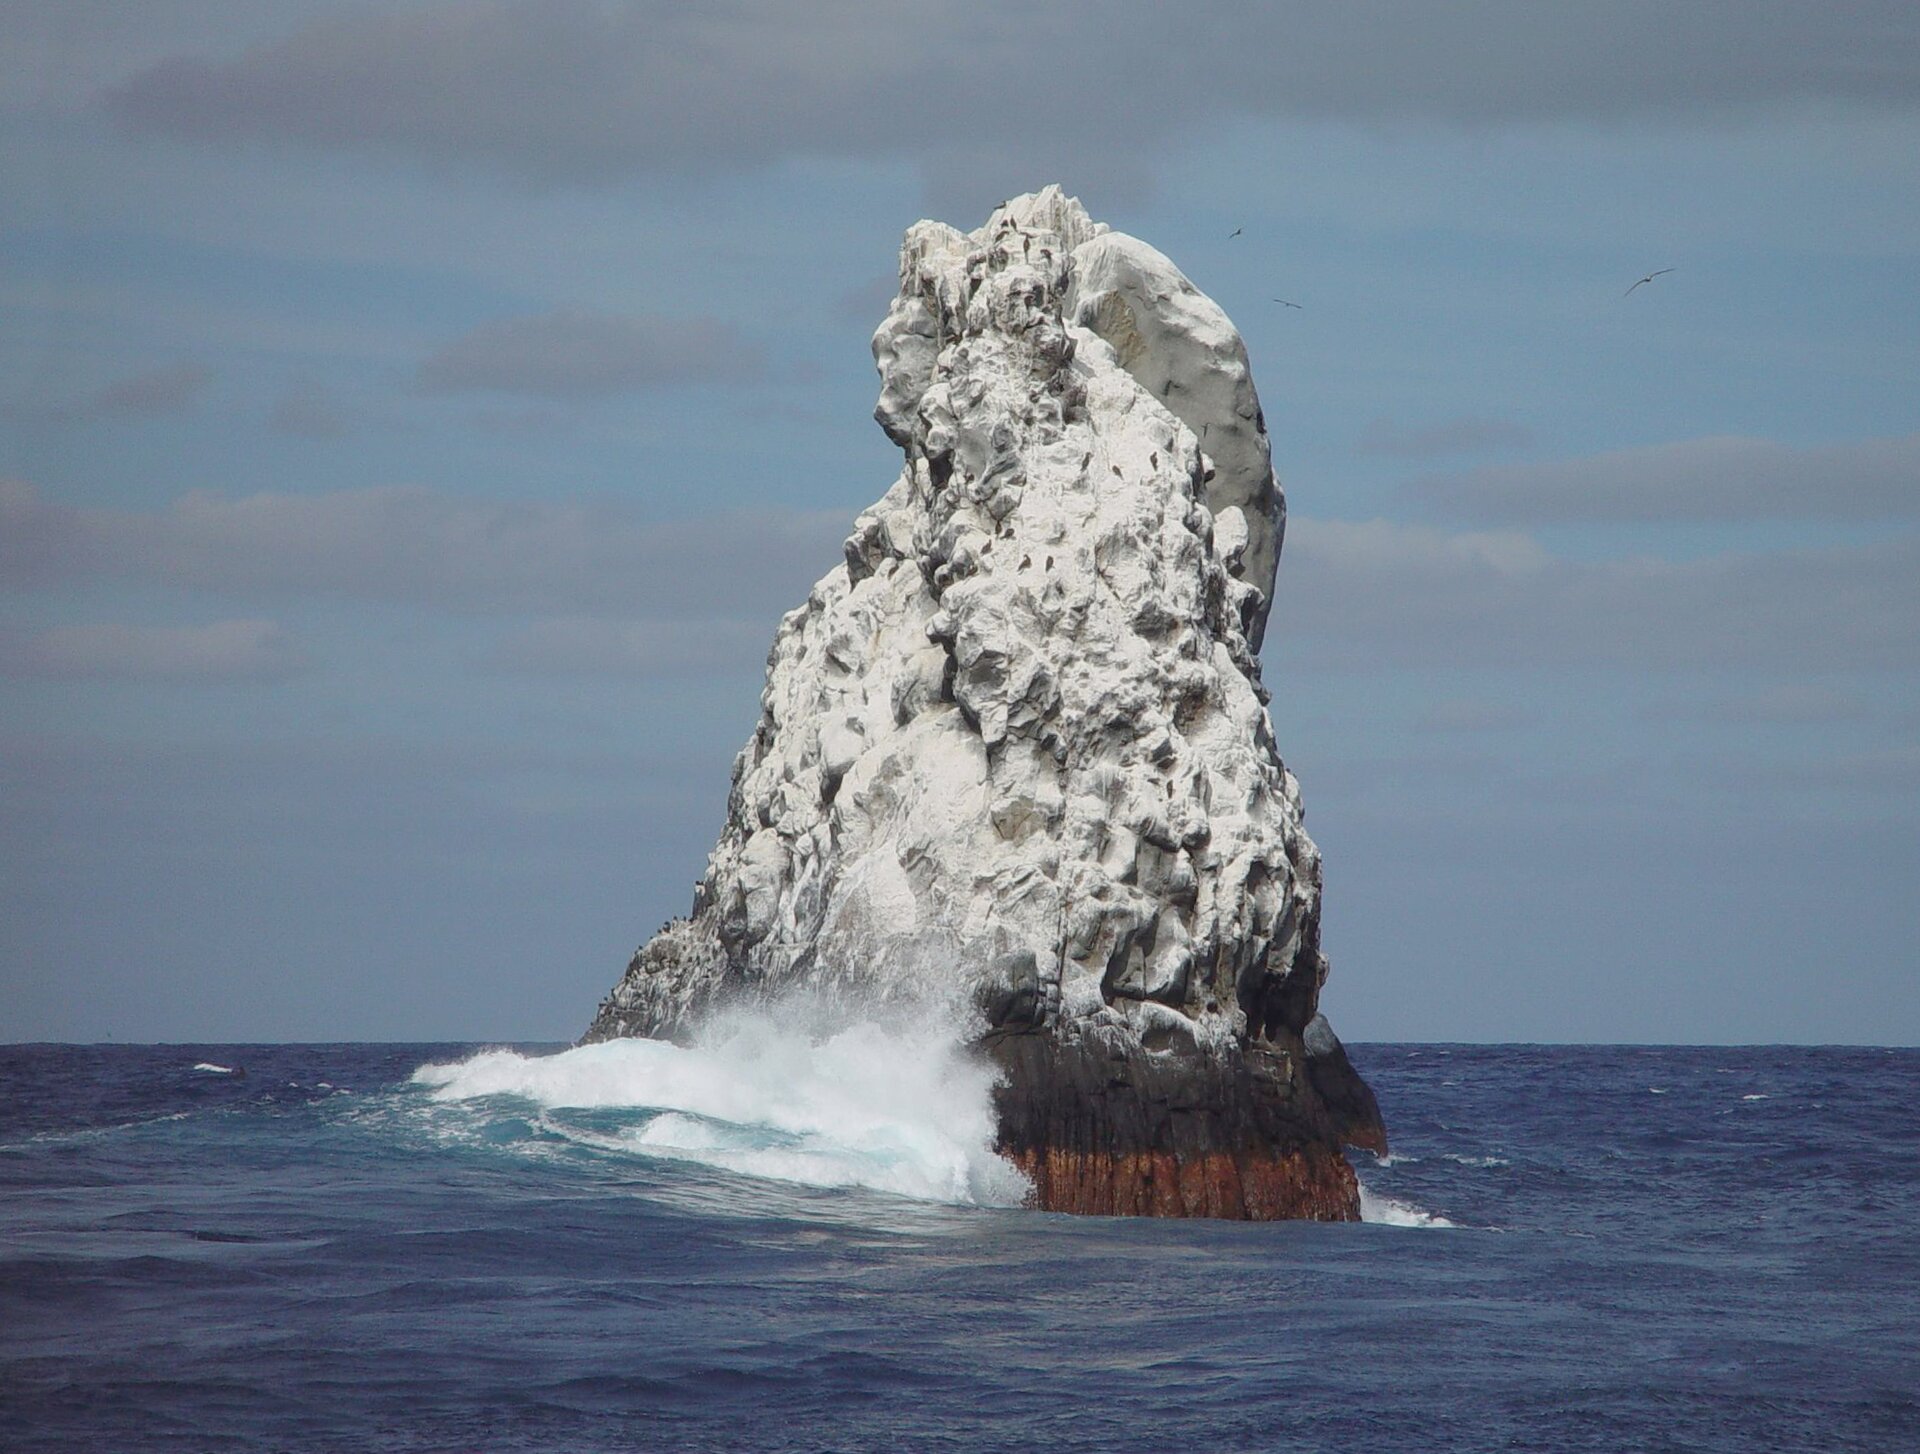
1014 751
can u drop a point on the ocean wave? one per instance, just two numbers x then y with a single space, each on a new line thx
1389 1212
779 1093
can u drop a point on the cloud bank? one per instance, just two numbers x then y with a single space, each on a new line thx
224 651
1467 434
571 354
425 547
594 91
1362 595
1379 594
172 389
1694 479
593 646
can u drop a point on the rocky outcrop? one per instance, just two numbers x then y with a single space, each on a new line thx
1349 1099
1014 754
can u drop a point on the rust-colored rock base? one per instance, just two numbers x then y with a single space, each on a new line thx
1310 1183
1106 1127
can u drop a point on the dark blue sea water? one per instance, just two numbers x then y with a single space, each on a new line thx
1648 1249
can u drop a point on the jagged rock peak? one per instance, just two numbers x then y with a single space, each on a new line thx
1041 267
1013 751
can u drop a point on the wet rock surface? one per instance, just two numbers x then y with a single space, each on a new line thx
1014 758
1102 1124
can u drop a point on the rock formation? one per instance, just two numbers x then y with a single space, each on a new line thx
1014 752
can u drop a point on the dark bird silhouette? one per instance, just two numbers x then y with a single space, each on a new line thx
1285 304
1647 279
1236 232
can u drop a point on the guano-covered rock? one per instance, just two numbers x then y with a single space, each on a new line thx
1014 756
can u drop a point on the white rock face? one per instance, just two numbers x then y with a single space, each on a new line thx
1016 743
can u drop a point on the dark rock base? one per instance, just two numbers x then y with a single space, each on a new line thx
1348 1099
1106 1127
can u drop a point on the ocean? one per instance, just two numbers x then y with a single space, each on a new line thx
793 1241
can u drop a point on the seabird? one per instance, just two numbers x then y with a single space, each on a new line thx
1647 279
1236 232
1285 304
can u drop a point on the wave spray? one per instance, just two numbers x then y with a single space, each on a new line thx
786 1090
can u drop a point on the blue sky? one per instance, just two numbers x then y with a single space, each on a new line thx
414 418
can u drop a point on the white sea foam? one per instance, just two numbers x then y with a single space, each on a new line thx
779 1092
1391 1213
211 1069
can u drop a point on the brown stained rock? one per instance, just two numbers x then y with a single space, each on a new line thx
1304 1183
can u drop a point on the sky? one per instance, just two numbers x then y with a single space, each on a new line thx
414 418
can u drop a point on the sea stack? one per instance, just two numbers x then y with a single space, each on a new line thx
1014 760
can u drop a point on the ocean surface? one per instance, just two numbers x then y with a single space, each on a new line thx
793 1240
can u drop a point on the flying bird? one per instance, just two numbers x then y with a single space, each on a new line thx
1647 279
1236 232
1285 304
